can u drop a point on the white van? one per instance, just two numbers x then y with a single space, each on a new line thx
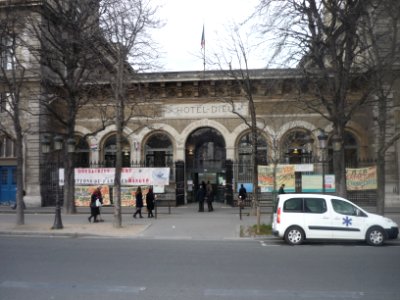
315 216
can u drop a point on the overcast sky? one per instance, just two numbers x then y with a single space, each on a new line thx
180 38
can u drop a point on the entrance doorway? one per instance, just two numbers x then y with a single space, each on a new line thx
205 161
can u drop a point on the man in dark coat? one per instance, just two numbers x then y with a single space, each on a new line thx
242 195
201 193
150 202
210 196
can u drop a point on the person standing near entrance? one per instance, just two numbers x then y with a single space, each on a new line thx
210 196
139 202
150 202
201 193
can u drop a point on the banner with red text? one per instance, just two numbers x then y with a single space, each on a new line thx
129 176
361 179
284 175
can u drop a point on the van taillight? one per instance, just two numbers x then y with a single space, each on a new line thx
278 216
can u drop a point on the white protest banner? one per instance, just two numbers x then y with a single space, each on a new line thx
129 176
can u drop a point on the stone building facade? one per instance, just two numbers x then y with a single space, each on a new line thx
187 118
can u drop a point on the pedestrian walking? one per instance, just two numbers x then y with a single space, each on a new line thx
201 193
150 202
210 196
139 202
23 202
282 189
96 200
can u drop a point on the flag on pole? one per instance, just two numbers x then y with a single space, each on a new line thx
203 40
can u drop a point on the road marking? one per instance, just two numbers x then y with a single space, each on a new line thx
69 287
269 244
242 293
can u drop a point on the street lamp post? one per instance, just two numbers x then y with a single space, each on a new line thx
323 138
58 146
308 143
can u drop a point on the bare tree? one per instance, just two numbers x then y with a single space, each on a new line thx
66 32
126 26
236 52
325 39
382 31
13 76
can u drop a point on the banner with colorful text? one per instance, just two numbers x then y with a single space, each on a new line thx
361 179
284 175
129 176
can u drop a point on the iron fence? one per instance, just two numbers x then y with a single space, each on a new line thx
49 181
243 173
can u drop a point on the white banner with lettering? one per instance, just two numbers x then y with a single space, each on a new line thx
129 176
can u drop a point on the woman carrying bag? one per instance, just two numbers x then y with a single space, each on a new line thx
139 202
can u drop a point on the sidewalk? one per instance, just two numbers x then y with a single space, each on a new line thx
182 222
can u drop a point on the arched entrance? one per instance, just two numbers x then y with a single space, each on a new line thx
205 161
110 149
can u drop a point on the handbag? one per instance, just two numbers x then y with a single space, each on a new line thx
98 203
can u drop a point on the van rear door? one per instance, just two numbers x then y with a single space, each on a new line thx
317 218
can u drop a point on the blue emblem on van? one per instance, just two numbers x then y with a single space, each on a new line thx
347 221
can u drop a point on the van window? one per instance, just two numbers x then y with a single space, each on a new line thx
293 205
344 208
314 205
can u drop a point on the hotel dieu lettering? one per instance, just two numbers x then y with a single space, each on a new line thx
197 110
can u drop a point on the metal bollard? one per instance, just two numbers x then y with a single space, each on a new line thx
155 208
240 207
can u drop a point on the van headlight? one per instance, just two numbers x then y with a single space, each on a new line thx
390 222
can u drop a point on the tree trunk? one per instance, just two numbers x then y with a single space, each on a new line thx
69 182
19 176
380 172
119 120
340 173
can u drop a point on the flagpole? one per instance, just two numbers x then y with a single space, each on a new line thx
203 47
204 58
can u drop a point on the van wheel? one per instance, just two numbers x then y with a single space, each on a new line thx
294 235
375 236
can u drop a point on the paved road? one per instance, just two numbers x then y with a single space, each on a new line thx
67 268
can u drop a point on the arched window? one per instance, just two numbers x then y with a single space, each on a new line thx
7 147
294 147
245 150
158 151
350 150
81 153
110 150
351 154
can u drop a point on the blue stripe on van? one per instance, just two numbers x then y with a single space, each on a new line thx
332 228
